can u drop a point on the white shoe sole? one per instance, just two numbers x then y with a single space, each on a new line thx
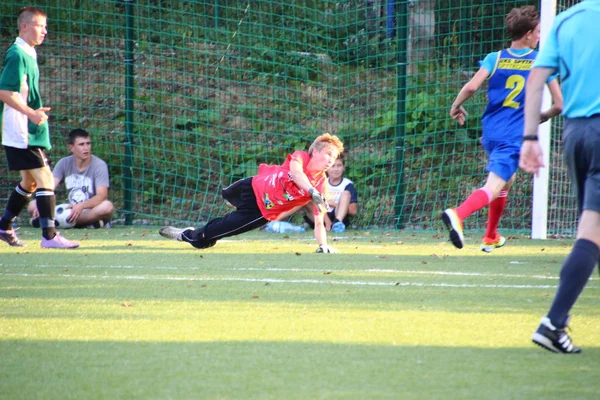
453 225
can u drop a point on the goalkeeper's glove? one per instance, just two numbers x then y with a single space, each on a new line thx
317 198
323 248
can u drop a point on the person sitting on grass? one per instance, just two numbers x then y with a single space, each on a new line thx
342 200
275 193
87 182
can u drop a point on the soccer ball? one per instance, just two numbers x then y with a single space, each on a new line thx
61 215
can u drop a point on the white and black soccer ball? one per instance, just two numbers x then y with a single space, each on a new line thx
61 215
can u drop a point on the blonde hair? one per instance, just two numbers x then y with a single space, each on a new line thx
27 14
326 140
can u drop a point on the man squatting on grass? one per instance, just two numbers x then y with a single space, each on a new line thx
573 49
86 180
277 192
25 133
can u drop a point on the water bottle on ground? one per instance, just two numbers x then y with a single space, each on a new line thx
283 227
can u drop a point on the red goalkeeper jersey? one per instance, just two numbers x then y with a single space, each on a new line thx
275 190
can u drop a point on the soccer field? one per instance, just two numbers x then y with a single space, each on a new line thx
130 315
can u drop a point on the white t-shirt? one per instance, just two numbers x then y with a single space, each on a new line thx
335 192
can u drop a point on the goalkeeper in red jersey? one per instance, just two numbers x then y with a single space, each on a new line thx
502 123
277 191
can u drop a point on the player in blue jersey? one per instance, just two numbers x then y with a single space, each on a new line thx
502 123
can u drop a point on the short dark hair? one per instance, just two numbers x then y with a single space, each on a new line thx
521 20
75 133
27 13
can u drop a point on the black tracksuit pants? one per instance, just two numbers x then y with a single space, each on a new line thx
246 217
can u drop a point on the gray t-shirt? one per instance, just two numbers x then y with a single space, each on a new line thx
81 186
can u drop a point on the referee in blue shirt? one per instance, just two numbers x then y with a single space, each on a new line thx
577 61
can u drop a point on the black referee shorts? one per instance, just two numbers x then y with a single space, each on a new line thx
581 149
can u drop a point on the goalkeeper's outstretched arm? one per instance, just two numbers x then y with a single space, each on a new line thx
321 235
301 180
298 175
320 231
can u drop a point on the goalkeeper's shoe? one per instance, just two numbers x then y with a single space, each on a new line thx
170 232
489 244
455 228
554 339
323 248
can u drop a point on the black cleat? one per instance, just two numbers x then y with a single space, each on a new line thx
551 338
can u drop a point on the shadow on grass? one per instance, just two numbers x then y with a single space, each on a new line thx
288 370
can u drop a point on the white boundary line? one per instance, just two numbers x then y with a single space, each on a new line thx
272 280
270 269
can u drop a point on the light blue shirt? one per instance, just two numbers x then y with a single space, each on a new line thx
573 49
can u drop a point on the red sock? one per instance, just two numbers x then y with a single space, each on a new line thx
475 202
496 210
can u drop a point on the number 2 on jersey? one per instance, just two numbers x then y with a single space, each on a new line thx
516 83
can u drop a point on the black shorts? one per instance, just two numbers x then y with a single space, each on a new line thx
581 148
25 159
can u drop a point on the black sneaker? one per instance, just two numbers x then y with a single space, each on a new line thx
551 338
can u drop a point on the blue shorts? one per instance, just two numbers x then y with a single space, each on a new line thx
503 157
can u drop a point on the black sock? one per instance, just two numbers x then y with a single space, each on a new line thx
16 202
46 204
575 272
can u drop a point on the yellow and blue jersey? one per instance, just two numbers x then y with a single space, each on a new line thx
503 117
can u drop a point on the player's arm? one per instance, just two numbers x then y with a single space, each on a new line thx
15 101
298 175
320 232
99 197
557 102
302 181
457 111
532 158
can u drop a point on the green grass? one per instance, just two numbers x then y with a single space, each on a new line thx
397 315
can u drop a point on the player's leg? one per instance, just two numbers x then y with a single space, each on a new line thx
246 217
232 193
232 224
341 213
499 188
22 160
32 209
46 204
309 217
96 216
504 162
453 217
17 200
582 156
